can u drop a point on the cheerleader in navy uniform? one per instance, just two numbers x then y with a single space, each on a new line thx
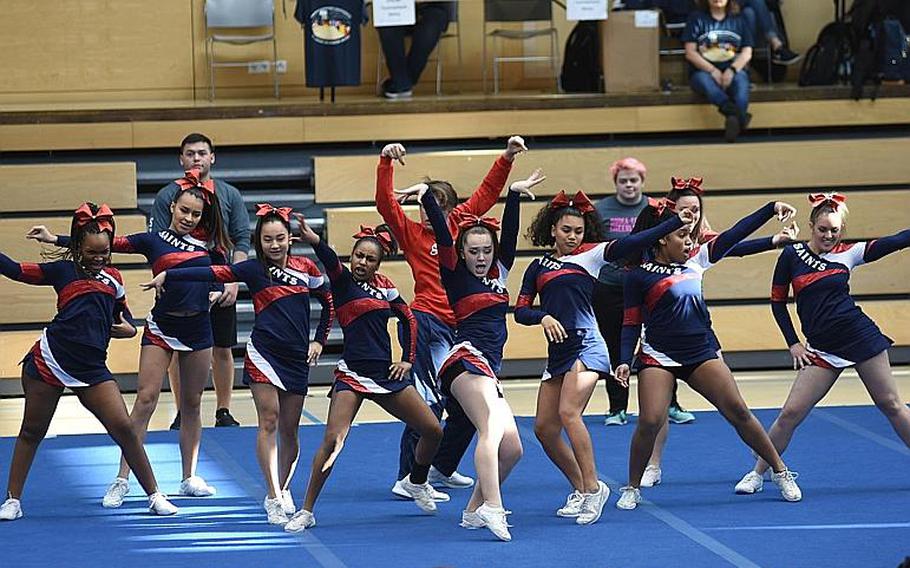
365 300
838 334
72 351
664 294
577 353
279 352
473 268
178 322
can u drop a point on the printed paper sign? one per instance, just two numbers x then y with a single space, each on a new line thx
394 13
586 10
646 19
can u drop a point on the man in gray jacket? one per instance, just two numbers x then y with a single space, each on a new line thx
197 151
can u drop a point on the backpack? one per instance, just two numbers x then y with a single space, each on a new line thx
829 61
581 70
894 51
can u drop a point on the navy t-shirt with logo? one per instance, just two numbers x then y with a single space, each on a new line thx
332 46
718 41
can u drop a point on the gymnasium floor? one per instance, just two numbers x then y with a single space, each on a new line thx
853 474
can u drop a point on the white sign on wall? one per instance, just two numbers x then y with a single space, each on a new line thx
586 10
394 13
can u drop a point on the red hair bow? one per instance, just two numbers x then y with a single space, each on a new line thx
661 205
468 221
385 241
692 184
191 180
580 202
104 217
833 199
264 209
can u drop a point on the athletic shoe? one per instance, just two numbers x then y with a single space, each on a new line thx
159 505
751 483
593 505
274 508
398 489
494 518
10 510
618 418
786 482
195 486
471 520
784 56
114 495
175 425
287 502
572 507
390 93
223 418
629 499
301 521
422 494
454 481
676 413
651 476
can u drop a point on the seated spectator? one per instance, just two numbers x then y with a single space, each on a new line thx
763 25
718 42
405 68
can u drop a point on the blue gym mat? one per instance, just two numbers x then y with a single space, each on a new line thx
853 473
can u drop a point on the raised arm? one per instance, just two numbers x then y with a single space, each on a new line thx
724 243
386 203
508 239
485 196
444 243
886 245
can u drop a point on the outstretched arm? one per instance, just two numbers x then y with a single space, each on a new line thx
25 272
637 242
724 243
884 246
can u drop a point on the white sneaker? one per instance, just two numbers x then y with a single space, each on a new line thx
274 508
398 489
572 507
114 495
629 499
471 520
593 505
751 483
494 518
786 482
301 521
159 505
195 486
287 503
651 476
421 494
454 481
10 510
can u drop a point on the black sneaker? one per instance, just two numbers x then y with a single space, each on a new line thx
395 94
223 418
784 56
732 128
175 425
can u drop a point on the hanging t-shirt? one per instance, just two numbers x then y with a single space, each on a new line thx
332 44
718 41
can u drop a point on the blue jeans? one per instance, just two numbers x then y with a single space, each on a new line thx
738 91
759 17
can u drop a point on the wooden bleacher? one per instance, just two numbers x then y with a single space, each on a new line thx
63 187
16 246
122 356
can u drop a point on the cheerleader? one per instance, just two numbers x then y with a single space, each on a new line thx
72 351
665 295
577 353
279 352
838 334
365 300
179 322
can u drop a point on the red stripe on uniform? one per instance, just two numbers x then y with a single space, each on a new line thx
464 355
476 302
31 273
818 361
350 381
122 244
266 296
546 277
174 259
223 273
253 371
657 291
155 340
524 301
356 308
648 360
804 280
779 293
632 316
80 288
44 371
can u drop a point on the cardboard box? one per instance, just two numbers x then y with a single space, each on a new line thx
629 44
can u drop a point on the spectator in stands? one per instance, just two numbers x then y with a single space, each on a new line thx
618 213
763 25
405 68
718 41
198 152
